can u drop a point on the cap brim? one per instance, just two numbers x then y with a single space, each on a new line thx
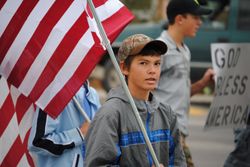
202 11
157 45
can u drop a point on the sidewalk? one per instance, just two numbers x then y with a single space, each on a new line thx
202 99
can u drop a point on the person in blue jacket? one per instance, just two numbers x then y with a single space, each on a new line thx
60 141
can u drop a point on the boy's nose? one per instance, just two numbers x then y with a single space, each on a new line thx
152 69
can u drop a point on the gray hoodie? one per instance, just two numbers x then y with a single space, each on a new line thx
114 136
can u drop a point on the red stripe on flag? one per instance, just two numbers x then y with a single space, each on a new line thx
25 144
2 2
15 25
56 105
22 105
37 41
60 55
98 3
6 113
15 154
110 24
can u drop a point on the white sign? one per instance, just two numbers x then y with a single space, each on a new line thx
231 104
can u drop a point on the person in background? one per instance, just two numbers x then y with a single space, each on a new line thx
114 137
174 87
60 141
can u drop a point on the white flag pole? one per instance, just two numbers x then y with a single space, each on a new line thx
81 109
125 87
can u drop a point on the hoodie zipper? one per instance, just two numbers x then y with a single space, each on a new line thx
148 132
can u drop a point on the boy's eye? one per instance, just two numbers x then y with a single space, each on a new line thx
143 63
158 64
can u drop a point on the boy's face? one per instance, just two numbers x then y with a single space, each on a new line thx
144 73
190 24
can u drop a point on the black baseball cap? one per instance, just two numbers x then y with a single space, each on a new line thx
176 7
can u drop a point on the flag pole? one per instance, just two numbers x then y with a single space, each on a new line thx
81 110
124 85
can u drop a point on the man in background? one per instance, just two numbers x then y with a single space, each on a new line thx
174 87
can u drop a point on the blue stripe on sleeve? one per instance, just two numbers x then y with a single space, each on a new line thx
171 151
134 138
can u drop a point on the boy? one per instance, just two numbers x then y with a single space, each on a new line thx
174 86
114 137
60 141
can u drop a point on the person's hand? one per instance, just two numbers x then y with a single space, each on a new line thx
84 128
160 165
208 77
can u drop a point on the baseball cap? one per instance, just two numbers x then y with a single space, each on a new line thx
176 7
134 44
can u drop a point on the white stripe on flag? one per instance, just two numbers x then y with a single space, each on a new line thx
24 36
26 122
68 69
9 9
54 39
14 94
104 12
8 137
23 162
4 91
108 9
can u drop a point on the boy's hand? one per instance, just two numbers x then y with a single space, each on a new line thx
84 128
160 165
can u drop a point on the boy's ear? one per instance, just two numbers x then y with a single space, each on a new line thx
123 68
178 19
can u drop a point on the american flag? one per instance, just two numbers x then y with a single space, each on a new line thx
16 113
49 48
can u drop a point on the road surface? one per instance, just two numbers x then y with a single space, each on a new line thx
209 148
